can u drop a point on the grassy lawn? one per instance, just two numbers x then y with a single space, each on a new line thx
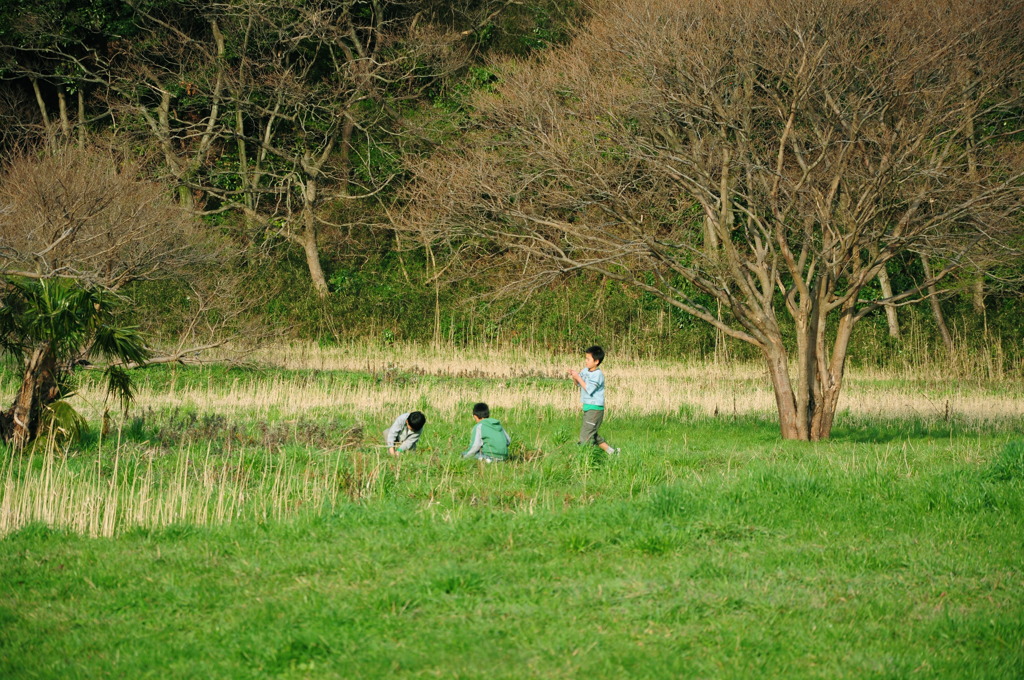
247 524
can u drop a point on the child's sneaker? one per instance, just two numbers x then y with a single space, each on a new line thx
613 451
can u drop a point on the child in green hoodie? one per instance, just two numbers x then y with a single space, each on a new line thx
488 440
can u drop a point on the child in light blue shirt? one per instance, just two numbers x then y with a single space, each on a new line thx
591 382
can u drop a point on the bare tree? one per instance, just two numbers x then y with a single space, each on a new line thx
767 156
80 213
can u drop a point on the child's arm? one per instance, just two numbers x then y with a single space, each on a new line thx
588 384
394 431
576 378
411 440
476 441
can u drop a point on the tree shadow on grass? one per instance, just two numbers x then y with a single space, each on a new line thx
888 431
764 429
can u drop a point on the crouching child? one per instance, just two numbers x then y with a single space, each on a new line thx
404 432
488 440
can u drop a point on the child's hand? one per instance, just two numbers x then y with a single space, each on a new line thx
573 373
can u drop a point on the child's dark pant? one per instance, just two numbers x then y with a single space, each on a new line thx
588 431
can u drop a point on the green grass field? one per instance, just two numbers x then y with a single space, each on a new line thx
246 523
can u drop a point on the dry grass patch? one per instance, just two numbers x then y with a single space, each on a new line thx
635 386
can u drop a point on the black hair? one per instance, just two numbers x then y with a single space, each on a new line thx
480 410
416 420
596 352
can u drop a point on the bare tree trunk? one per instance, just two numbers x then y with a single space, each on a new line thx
778 369
344 153
432 271
819 375
62 105
41 103
812 370
891 314
978 293
161 128
807 373
721 349
261 154
207 138
832 378
243 160
710 235
311 168
933 300
81 117
307 239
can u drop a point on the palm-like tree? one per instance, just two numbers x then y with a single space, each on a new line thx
51 326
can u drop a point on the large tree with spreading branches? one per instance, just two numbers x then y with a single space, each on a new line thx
754 163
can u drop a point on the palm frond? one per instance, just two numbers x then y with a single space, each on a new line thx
63 422
120 342
119 384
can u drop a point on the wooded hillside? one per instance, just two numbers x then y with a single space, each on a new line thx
322 153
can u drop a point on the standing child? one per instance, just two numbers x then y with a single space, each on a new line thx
488 440
591 382
404 432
